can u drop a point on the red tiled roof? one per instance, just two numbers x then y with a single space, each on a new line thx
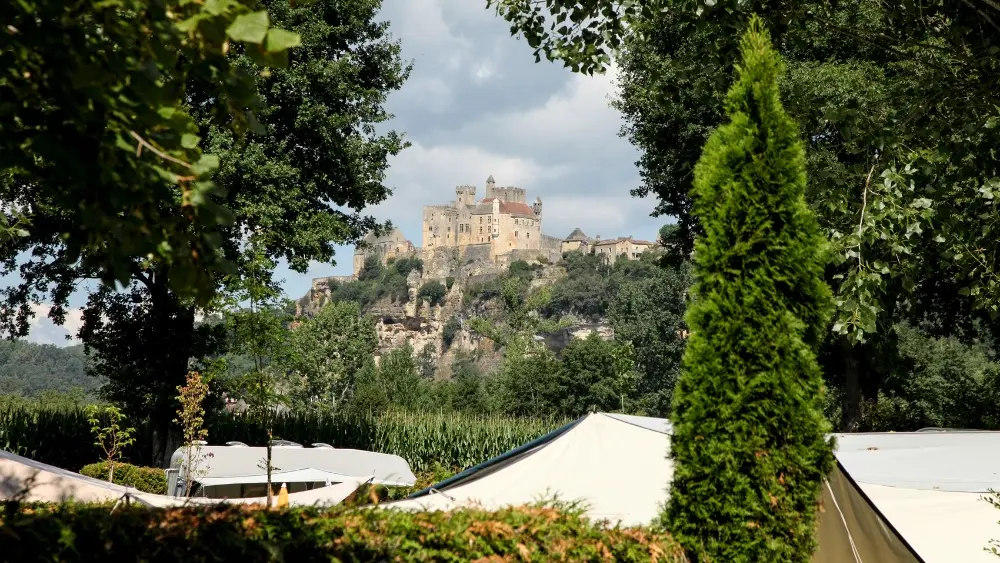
513 208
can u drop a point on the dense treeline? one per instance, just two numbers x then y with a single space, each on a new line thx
29 370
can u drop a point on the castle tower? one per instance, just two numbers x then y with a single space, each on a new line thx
465 195
490 186
537 208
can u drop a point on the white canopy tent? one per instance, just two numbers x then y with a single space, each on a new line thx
31 481
896 497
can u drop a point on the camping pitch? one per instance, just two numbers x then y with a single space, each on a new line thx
892 498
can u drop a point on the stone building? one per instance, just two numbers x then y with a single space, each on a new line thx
613 249
390 245
610 249
502 221
576 240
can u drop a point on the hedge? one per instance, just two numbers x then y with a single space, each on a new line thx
62 437
146 479
70 533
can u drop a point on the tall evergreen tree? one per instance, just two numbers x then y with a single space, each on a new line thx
748 445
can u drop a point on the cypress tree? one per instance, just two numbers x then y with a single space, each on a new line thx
749 446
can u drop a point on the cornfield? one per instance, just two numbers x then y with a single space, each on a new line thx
62 437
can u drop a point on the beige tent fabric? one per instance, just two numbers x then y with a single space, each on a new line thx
618 470
322 497
617 465
851 531
30 481
941 526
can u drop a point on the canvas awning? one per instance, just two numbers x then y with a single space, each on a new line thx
308 475
322 497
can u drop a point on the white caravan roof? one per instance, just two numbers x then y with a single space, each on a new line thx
223 465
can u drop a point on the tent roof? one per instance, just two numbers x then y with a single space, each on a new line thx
904 496
35 481
239 463
939 460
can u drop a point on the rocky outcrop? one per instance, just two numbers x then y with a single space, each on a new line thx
421 325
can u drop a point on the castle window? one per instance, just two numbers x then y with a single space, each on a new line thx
515 234
480 230
480 219
515 221
449 229
529 235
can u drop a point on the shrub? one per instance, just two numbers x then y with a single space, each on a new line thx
145 479
449 331
523 270
749 445
433 291
449 282
238 533
406 265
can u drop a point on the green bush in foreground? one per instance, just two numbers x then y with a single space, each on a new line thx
70 533
748 444
145 479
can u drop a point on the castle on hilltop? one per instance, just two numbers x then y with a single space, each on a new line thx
501 220
498 229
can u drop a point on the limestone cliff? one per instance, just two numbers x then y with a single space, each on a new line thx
422 325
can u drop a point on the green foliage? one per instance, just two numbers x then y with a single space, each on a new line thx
376 282
528 533
325 354
448 332
588 367
191 418
112 438
748 445
897 117
648 312
299 184
406 265
449 282
101 152
433 291
519 318
522 270
585 290
427 361
399 376
936 382
29 369
592 34
146 479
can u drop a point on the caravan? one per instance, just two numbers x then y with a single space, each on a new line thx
238 471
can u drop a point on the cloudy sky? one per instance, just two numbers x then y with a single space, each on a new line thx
477 104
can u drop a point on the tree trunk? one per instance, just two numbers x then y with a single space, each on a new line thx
175 324
861 385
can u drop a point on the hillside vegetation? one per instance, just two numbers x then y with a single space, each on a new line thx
30 370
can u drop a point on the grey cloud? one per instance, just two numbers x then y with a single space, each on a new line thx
537 126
